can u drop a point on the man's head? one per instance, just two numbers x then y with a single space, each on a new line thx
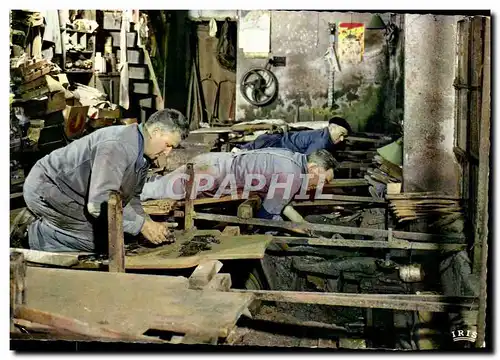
320 163
164 130
339 128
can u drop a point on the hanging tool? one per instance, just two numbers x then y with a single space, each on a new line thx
196 109
333 62
213 119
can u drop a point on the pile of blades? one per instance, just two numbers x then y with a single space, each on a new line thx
197 244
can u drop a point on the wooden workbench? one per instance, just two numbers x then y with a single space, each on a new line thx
132 303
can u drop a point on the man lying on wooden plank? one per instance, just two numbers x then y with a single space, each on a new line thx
66 189
276 175
305 141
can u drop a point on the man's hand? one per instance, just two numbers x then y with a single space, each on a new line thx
157 232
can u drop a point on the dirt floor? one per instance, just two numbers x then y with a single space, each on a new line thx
255 335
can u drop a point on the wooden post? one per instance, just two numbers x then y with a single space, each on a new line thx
249 207
189 202
17 283
481 230
115 234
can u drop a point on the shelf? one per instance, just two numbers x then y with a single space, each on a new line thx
72 51
78 31
78 71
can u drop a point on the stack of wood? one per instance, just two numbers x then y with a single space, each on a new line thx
41 81
442 209
381 175
384 171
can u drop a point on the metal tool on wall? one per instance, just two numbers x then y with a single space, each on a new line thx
213 118
196 108
333 62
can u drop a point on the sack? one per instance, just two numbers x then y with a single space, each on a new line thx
226 47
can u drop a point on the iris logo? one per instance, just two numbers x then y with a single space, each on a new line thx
464 335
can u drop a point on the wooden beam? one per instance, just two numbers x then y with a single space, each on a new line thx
393 244
346 182
329 228
378 301
363 139
204 273
189 204
116 241
333 197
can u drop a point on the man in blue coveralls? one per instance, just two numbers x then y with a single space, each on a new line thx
276 175
305 141
67 189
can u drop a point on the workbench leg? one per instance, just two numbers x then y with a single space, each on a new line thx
17 284
189 203
115 234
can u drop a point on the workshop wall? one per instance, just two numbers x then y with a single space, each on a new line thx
303 38
212 76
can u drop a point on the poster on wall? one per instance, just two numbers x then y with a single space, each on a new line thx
255 33
351 40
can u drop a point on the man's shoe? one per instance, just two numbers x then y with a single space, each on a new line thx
19 228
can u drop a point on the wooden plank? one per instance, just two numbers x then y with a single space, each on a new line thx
36 327
364 301
204 273
230 247
354 165
132 303
116 240
363 139
357 152
48 258
346 182
421 195
36 74
75 326
328 228
32 84
334 197
165 206
25 69
189 205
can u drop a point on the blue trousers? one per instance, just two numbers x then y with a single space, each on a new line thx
62 223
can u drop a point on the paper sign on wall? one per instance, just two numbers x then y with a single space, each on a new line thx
255 33
351 42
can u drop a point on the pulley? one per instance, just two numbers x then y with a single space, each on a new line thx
259 86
